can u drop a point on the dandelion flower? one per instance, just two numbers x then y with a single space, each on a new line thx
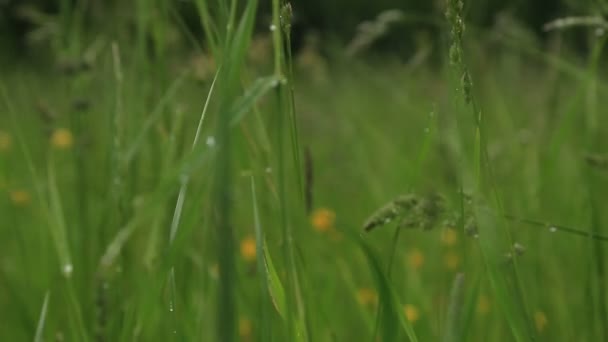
248 248
449 237
540 320
415 259
451 261
323 219
411 313
6 141
20 197
245 328
367 297
62 139
483 305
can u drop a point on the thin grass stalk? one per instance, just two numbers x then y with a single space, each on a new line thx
287 236
177 213
455 310
226 262
486 189
389 271
264 328
233 57
286 15
597 252
209 27
42 319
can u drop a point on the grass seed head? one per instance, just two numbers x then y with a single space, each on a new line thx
286 16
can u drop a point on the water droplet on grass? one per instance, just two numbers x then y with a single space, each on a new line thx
210 141
67 270
552 229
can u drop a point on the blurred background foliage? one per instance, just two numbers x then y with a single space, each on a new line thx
26 23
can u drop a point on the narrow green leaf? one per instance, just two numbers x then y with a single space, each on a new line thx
261 264
258 89
277 293
42 319
455 310
393 317
58 225
501 272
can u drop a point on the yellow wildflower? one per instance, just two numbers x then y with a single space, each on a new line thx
415 259
411 313
540 319
323 219
62 138
449 237
483 305
245 328
248 248
451 261
20 197
5 141
367 297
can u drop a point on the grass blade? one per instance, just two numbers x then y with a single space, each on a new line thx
258 89
277 293
42 319
393 318
453 330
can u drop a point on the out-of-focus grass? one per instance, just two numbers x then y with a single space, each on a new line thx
92 165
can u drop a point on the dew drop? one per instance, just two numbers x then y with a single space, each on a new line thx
552 229
210 141
67 270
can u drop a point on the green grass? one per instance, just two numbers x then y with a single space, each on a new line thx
141 227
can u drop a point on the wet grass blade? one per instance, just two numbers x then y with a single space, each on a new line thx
393 320
256 91
42 320
502 273
453 330
275 288
263 273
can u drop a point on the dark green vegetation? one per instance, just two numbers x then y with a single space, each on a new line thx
153 189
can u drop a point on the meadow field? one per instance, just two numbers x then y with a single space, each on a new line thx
159 183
